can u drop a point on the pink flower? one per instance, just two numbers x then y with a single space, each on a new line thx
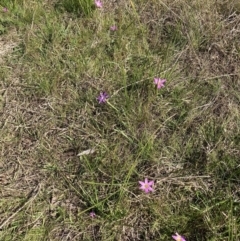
102 98
5 9
92 214
98 3
146 186
113 28
159 82
178 237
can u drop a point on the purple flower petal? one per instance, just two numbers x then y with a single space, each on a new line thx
178 237
92 214
156 80
159 82
151 183
113 28
98 3
146 186
102 98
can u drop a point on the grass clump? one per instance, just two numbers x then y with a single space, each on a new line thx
71 166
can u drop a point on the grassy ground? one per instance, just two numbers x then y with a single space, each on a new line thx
64 155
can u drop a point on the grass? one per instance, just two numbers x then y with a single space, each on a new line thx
64 155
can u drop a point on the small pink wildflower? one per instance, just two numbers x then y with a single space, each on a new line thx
178 237
146 186
5 9
113 28
98 3
102 98
159 82
92 214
